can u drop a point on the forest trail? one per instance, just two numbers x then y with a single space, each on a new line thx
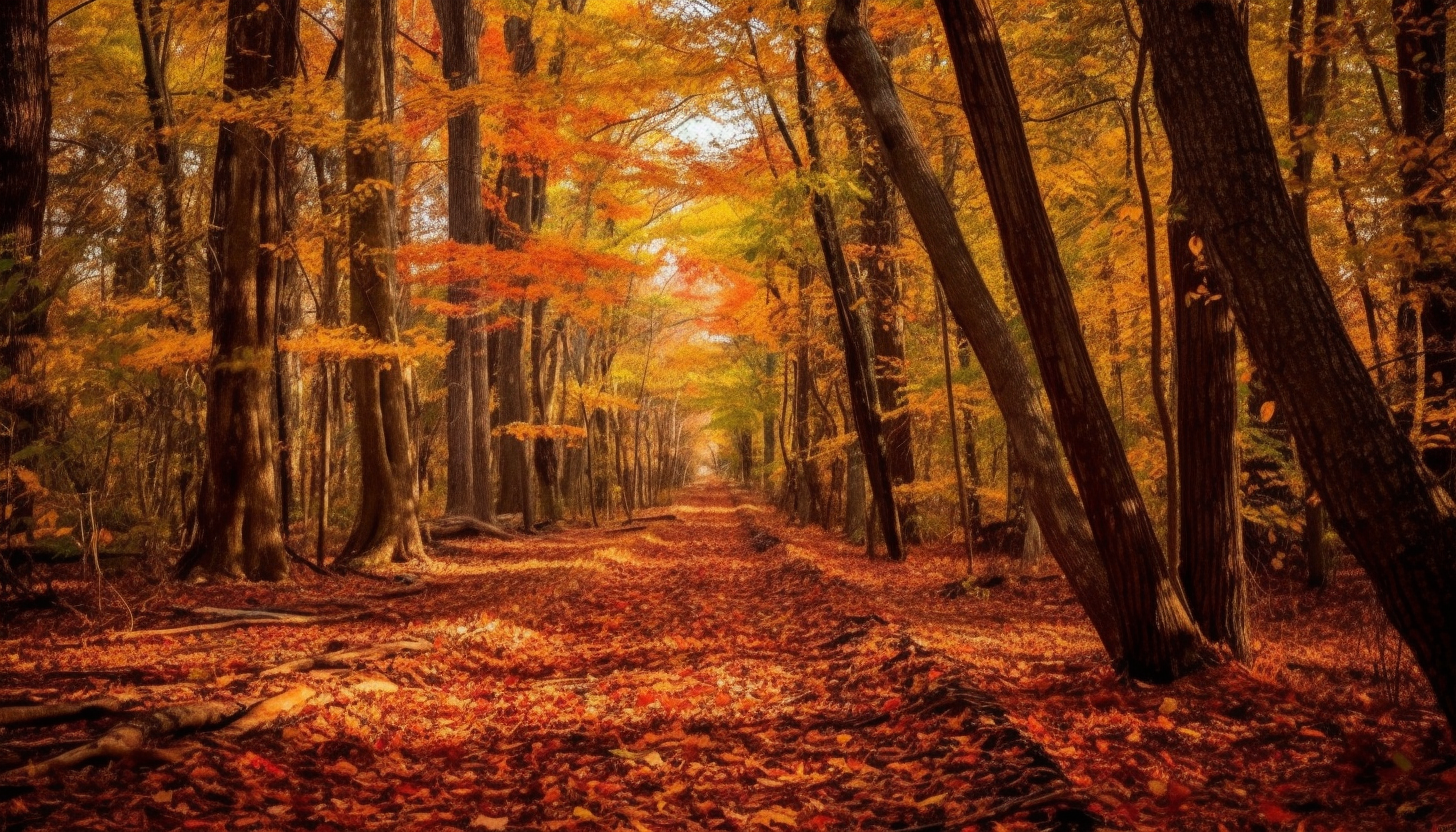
698 673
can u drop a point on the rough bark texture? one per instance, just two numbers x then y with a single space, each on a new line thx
521 188
879 234
1388 508
1159 639
975 311
460 29
25 123
1215 578
152 43
387 524
241 522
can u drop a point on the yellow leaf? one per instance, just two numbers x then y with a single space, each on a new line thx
1266 411
583 813
1195 245
931 801
1157 787
487 822
1169 705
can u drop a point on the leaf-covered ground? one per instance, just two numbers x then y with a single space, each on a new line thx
724 671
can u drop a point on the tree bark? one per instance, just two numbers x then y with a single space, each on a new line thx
169 162
975 311
25 112
1215 577
241 532
1159 637
460 29
1385 504
857 350
879 235
387 524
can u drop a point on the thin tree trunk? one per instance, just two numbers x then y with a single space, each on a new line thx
856 351
962 501
242 522
1384 503
169 162
387 524
1155 312
975 310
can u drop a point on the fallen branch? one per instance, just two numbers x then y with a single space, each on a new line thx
625 529
289 621
132 737
349 657
455 526
226 613
50 713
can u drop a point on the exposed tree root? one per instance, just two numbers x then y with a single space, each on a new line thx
132 737
267 711
275 620
350 657
454 526
50 713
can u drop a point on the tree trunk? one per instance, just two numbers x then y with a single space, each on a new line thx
1215 577
879 235
460 28
806 498
25 112
1427 317
387 524
1398 522
1159 638
975 311
169 162
857 351
242 523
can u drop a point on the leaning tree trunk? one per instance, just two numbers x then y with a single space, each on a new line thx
971 304
241 520
25 125
857 350
1386 505
460 29
1215 578
1159 638
387 524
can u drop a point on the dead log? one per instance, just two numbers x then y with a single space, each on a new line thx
50 713
349 657
133 737
455 526
285 621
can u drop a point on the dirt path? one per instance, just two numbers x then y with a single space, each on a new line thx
672 678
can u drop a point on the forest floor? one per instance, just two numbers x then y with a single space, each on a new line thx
719 670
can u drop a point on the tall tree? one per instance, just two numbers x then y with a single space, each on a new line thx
460 28
1387 506
858 351
25 112
1053 502
1215 577
387 524
1159 637
241 521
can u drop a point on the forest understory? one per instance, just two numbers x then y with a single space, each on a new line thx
714 668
